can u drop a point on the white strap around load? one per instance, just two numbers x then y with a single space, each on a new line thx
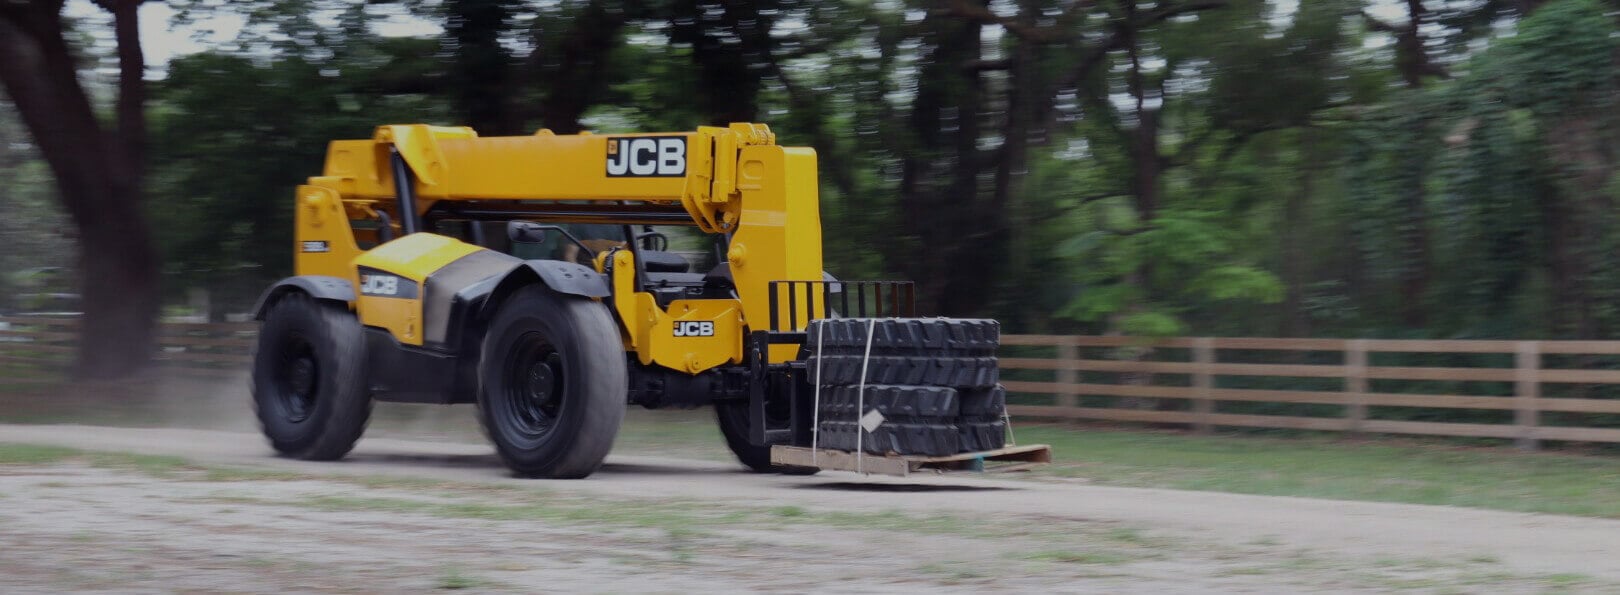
815 415
860 400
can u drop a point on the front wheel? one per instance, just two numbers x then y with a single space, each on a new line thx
552 384
309 379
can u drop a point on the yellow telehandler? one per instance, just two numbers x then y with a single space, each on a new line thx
555 279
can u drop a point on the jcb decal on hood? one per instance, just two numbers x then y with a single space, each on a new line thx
377 283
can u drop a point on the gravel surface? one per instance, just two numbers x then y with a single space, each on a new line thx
410 515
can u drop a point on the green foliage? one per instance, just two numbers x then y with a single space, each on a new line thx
234 134
1498 162
1187 257
1560 55
1299 182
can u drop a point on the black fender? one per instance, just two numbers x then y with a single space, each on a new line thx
568 277
557 275
474 305
320 287
560 276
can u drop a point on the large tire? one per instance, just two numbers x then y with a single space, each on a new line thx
553 384
733 419
309 379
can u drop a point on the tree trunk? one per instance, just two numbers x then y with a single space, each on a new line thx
957 242
1296 223
1583 151
98 178
729 77
482 65
1026 91
1412 61
575 68
1414 234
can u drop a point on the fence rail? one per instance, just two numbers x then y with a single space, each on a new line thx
1526 391
1213 382
197 348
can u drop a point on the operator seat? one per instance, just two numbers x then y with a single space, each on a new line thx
669 276
656 261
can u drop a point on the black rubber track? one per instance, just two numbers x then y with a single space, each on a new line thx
982 434
840 402
906 336
893 438
917 370
983 402
321 420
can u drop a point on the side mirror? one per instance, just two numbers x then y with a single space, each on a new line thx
526 232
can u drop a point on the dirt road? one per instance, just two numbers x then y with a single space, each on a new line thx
409 515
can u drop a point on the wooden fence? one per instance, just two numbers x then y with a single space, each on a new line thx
203 349
1526 391
1213 382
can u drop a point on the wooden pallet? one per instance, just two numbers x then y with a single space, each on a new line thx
1001 460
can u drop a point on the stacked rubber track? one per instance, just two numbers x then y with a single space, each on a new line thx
934 380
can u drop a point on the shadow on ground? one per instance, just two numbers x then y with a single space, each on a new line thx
851 486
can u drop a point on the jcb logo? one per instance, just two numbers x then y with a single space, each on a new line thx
646 156
694 328
383 285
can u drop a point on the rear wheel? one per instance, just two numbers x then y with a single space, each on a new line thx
309 379
553 384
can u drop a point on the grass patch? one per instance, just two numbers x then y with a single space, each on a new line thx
1128 535
154 465
1566 579
1244 571
953 572
453 579
675 519
1332 467
1074 557
688 434
244 474
30 454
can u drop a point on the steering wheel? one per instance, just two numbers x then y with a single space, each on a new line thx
653 240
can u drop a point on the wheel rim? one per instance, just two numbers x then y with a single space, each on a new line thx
532 396
298 378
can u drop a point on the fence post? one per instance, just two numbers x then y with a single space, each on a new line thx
1203 381
1355 383
1068 352
1527 388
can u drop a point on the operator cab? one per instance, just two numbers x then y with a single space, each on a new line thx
676 262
